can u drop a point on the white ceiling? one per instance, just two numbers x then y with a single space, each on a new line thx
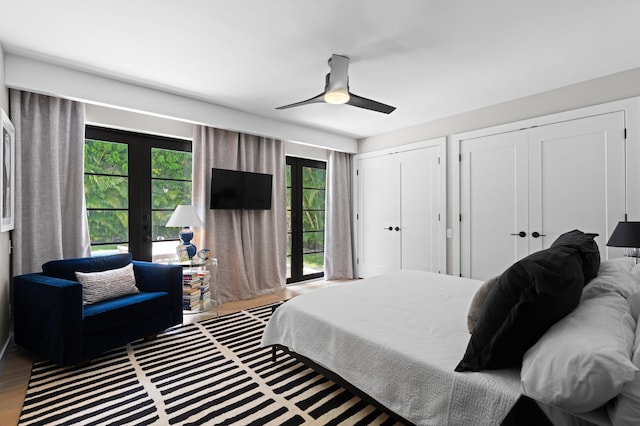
429 58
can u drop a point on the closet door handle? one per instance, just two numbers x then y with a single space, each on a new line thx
535 234
390 228
521 234
397 228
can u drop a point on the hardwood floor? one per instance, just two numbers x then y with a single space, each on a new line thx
15 376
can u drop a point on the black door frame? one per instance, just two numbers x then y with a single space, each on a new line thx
139 158
297 255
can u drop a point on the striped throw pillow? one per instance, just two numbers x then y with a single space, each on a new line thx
97 286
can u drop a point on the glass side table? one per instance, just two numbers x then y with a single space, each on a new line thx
200 290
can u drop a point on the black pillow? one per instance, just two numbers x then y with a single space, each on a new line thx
530 296
587 249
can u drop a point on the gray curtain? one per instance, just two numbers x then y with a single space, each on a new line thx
51 221
250 245
338 251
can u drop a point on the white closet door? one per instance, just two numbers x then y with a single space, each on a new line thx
577 178
378 210
419 208
493 203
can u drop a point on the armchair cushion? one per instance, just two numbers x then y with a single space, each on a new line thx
104 285
112 313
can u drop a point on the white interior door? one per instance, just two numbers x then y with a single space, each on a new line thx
493 203
577 179
378 210
419 208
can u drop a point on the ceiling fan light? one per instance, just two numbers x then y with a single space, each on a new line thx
338 96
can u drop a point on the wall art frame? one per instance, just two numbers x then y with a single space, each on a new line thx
8 176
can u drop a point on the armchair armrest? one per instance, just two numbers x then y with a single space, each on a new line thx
158 277
48 317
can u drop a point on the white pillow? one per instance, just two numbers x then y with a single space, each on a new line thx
618 264
584 359
634 304
625 410
97 286
624 283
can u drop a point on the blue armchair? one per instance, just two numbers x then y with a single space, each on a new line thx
51 320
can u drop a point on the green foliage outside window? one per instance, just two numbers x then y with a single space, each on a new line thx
107 190
313 215
170 187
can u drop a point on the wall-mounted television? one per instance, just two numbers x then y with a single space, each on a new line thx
235 189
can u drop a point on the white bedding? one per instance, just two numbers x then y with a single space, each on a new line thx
398 337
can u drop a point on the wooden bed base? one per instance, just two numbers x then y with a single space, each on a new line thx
525 412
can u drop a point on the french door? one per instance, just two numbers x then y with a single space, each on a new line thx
520 190
305 180
133 183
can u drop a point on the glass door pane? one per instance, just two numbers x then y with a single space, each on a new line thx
170 187
306 180
106 186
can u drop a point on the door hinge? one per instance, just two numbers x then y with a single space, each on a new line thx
438 217
459 157
357 216
460 218
438 160
625 133
357 260
357 172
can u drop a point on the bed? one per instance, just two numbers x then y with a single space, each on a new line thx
400 337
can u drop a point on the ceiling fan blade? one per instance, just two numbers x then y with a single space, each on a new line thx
314 100
360 102
336 89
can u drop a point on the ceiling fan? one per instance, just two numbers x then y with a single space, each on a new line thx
336 90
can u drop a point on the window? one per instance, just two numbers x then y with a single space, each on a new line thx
106 183
133 182
305 180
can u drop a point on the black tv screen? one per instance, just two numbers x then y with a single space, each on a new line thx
256 191
233 189
226 189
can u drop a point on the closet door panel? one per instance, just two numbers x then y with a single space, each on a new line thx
419 208
493 203
577 178
378 247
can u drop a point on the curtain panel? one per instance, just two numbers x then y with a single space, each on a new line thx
338 250
50 221
250 245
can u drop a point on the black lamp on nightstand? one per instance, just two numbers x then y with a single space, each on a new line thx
627 235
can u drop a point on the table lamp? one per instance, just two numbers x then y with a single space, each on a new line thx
186 216
627 235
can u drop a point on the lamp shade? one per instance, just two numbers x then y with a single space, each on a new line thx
184 215
626 234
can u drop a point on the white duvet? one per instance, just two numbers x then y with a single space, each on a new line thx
398 337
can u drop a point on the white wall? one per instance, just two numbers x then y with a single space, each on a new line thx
5 249
49 79
593 92
614 87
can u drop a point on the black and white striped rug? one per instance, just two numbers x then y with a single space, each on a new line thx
211 372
